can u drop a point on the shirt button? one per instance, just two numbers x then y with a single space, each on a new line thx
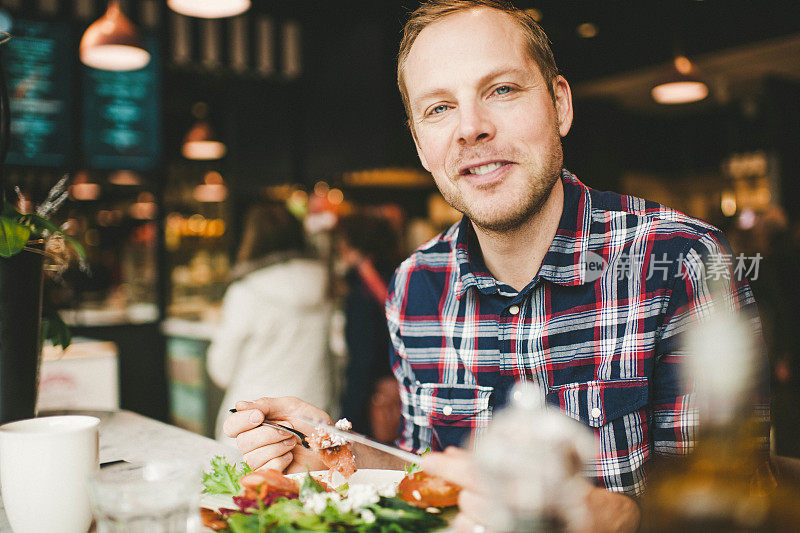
514 309
596 412
447 410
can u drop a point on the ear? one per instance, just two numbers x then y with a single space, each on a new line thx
563 104
419 150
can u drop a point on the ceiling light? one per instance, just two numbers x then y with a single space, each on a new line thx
145 207
201 142
212 189
125 178
587 30
534 13
113 43
209 9
681 85
83 189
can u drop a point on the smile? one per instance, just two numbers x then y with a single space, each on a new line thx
486 174
484 169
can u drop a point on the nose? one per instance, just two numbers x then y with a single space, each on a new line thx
475 125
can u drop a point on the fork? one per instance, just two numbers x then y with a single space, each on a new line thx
299 434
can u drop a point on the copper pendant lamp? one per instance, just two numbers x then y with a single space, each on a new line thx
682 85
201 142
113 43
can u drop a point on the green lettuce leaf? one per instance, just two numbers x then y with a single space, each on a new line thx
224 477
310 486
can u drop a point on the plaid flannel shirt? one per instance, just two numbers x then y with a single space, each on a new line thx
604 344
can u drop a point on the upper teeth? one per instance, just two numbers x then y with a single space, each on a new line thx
484 169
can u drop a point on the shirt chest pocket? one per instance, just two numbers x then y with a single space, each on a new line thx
597 403
452 411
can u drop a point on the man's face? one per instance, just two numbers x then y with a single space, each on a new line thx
483 119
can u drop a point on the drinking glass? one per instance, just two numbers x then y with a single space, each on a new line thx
151 497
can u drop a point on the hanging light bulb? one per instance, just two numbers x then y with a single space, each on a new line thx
113 43
209 9
682 85
200 141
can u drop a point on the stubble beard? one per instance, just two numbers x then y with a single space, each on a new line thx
512 214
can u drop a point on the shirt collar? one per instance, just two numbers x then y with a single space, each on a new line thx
562 264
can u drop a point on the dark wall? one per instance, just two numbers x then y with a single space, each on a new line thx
354 116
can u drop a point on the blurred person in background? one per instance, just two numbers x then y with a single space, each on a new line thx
275 317
368 246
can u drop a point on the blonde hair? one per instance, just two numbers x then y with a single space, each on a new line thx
537 43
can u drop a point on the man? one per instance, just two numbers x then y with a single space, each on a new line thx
544 279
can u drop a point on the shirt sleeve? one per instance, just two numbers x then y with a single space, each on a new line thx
415 434
705 281
230 337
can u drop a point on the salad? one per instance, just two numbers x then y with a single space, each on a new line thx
268 501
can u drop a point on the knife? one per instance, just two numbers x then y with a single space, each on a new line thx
366 441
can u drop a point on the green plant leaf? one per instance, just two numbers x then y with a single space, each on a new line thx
76 245
13 236
39 225
56 330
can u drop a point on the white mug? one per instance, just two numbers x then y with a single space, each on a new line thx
45 464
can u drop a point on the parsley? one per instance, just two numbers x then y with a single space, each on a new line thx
413 468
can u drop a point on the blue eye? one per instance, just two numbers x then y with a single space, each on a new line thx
504 89
438 109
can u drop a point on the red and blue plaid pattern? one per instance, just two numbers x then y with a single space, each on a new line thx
604 345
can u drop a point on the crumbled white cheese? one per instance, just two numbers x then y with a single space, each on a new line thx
317 502
344 424
367 516
388 491
327 440
358 497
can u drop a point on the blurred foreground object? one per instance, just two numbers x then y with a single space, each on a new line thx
726 483
531 458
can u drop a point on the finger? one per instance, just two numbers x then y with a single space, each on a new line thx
277 408
257 462
240 421
280 463
463 524
248 441
473 505
454 465
264 454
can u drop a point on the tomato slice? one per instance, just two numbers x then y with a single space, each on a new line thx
424 490
273 480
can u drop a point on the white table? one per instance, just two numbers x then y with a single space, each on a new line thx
132 437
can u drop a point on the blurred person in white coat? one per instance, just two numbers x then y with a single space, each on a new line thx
275 317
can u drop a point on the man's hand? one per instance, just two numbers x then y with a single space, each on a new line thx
606 511
264 447
456 465
611 512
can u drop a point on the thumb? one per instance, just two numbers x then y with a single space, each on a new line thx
454 465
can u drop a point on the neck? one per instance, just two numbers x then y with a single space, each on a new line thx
514 256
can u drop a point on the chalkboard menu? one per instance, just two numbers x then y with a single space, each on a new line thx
121 128
38 61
